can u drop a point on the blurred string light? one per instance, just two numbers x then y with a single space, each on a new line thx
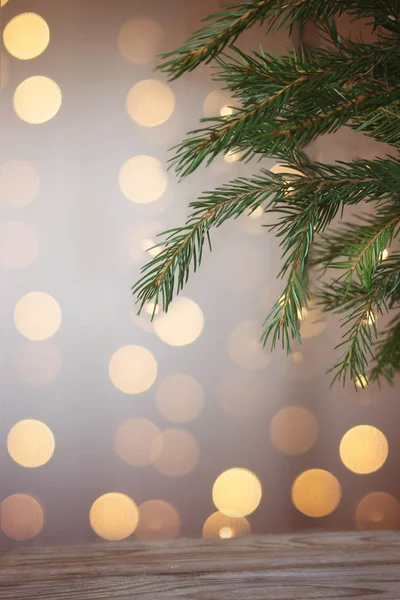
182 324
37 363
150 103
177 453
232 156
294 430
137 442
142 179
361 382
114 516
245 348
30 443
242 394
158 520
363 449
316 493
132 369
20 183
379 511
384 254
37 316
37 99
220 525
26 36
180 398
139 40
218 102
18 245
237 492
311 321
21 517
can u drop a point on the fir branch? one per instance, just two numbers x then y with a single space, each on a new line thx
387 353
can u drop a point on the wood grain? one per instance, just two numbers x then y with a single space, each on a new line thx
291 567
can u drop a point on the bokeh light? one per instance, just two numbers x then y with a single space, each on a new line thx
232 156
158 520
218 103
18 245
177 453
26 36
237 492
219 525
21 517
20 183
150 102
316 493
182 324
37 99
37 316
30 443
363 449
378 511
245 348
142 179
139 40
37 363
114 516
242 394
132 369
137 442
294 430
180 398
311 321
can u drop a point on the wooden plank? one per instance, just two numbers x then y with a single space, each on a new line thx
289 567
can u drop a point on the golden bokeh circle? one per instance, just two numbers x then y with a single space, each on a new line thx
294 430
316 493
245 348
21 517
132 369
142 179
177 453
150 102
136 442
37 99
182 324
237 492
37 316
158 520
18 245
139 40
20 183
379 511
363 449
219 525
30 443
180 398
26 36
114 516
217 103
37 364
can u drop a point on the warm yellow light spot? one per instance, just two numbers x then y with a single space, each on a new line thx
3 2
150 247
371 318
158 520
232 156
218 102
257 213
114 516
182 324
237 492
220 525
294 430
282 169
21 517
311 321
150 102
30 443
142 179
180 398
384 254
37 99
18 245
363 449
37 364
37 316
242 394
139 40
26 36
177 453
361 382
316 493
19 183
378 510
137 442
132 369
226 111
245 348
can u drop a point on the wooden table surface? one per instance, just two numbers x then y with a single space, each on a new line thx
288 567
